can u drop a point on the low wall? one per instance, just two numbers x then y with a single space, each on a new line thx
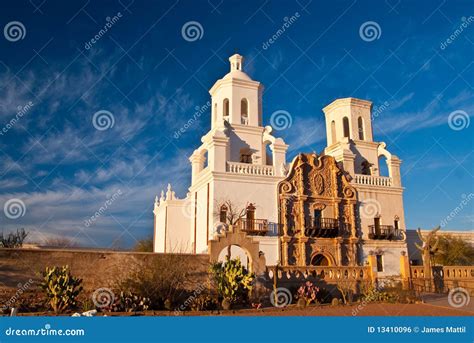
96 268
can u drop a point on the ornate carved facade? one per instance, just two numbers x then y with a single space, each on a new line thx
317 214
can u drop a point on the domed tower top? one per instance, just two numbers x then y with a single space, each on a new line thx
236 98
236 68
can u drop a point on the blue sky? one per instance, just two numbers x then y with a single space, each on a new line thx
151 80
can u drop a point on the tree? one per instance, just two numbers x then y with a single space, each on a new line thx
13 240
233 212
453 251
144 245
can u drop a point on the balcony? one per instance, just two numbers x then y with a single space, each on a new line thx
250 169
323 228
370 180
255 227
387 232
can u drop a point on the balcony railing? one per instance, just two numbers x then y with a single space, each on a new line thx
323 228
383 232
370 180
250 169
257 227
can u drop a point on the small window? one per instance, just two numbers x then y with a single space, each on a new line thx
223 214
395 224
360 125
244 114
379 263
226 107
333 132
345 126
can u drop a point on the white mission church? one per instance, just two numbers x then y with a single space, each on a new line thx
332 209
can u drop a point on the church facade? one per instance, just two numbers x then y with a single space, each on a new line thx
332 209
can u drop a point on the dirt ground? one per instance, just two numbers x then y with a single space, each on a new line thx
324 310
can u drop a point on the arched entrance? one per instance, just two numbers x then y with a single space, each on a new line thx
234 251
320 260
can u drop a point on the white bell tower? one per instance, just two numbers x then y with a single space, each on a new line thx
236 98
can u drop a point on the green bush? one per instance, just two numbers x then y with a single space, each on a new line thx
232 280
61 288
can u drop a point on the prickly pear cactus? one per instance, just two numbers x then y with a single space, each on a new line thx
61 288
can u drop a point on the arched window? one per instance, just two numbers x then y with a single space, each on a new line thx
226 108
345 126
360 126
223 214
244 111
333 132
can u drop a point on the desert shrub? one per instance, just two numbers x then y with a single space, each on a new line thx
307 292
373 294
129 302
144 245
61 288
232 280
323 296
204 302
13 239
158 280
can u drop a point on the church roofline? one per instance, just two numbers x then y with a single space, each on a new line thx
346 102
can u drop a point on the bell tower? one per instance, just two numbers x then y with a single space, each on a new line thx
236 98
